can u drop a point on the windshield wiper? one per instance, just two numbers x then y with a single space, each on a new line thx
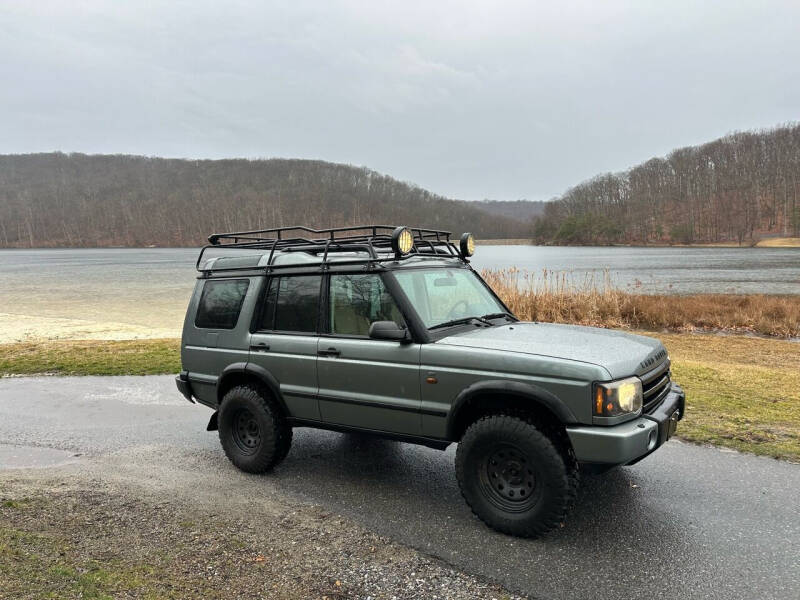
460 321
485 319
498 316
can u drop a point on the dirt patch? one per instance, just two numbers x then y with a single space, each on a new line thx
82 538
25 327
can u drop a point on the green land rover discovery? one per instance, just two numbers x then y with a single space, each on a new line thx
389 330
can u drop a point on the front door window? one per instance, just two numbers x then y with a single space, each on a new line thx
357 301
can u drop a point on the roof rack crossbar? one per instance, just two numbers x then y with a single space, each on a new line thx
261 234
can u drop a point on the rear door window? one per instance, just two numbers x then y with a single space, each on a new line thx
292 304
221 303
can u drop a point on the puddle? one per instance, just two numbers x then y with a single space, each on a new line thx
140 394
32 457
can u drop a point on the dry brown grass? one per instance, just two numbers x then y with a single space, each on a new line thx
787 242
559 298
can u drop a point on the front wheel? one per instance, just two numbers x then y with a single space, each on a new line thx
252 430
514 477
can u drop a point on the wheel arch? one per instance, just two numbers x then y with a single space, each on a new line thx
242 373
486 397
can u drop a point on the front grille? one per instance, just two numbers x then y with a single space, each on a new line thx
655 387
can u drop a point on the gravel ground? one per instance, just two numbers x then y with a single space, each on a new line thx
79 537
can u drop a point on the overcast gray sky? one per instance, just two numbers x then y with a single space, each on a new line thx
473 100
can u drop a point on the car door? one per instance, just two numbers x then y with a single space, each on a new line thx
285 340
366 383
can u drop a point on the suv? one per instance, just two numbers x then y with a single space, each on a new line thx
389 330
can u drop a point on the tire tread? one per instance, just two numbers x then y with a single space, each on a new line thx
280 437
556 450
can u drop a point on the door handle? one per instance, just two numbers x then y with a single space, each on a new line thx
259 347
329 352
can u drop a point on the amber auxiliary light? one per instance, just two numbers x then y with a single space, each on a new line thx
402 240
467 244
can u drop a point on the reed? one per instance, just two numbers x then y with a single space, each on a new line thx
565 298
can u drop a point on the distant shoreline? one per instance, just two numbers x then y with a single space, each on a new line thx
506 242
766 243
787 242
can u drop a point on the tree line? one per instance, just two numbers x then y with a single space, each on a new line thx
739 188
78 200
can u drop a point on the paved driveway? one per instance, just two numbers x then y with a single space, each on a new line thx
687 522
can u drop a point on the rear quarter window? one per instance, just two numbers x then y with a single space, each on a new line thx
221 303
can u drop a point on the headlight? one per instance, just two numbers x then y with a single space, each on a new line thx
618 397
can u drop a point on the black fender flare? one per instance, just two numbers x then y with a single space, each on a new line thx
528 391
260 373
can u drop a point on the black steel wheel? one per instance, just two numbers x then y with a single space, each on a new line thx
514 477
252 429
508 479
246 431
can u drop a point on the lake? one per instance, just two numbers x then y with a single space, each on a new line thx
126 293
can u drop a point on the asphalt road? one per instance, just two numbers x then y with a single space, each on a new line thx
687 522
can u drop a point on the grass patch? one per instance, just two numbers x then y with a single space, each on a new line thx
23 503
742 393
91 357
44 566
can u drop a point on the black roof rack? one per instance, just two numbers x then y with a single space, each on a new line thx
375 240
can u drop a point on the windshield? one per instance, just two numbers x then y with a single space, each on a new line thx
443 295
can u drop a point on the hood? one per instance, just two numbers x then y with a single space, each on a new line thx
621 354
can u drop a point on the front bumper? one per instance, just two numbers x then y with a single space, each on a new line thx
629 442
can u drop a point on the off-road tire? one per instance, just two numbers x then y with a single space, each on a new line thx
252 429
516 477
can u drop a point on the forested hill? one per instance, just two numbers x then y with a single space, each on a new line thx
49 200
515 209
738 188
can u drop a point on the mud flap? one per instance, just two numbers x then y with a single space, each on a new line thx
212 423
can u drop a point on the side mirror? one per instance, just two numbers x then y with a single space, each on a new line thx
388 330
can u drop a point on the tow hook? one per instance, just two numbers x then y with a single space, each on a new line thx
673 422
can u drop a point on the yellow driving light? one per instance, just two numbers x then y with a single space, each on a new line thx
467 244
402 240
618 397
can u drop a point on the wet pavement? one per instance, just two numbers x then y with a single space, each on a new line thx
31 457
687 522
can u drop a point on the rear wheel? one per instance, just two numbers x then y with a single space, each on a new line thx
514 477
252 429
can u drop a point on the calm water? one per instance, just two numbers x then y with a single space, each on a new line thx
661 270
146 290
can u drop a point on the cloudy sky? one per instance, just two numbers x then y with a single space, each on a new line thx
470 99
